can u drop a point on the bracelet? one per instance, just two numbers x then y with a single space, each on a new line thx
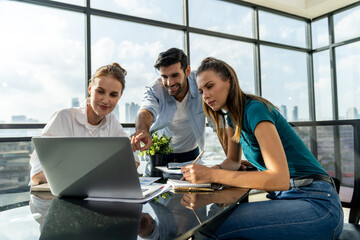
219 166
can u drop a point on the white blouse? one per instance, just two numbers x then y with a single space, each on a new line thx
73 122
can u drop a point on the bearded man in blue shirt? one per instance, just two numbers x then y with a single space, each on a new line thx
172 105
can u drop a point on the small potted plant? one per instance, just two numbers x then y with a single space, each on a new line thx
160 146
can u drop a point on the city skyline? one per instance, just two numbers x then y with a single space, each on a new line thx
132 108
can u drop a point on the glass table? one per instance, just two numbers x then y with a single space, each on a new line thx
172 215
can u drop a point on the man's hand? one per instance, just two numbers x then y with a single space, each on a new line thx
138 137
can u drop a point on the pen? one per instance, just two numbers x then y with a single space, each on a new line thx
198 157
197 216
193 189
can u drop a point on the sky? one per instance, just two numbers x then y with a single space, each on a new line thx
43 54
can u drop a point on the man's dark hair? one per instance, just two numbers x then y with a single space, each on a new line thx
170 57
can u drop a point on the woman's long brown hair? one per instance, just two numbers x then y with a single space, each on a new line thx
234 102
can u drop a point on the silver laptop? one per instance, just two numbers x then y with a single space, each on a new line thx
97 167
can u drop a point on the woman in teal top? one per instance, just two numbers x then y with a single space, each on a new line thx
304 203
299 158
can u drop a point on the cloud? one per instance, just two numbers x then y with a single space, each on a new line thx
264 31
238 55
288 69
42 59
348 75
102 52
323 83
322 40
131 50
286 32
347 26
143 8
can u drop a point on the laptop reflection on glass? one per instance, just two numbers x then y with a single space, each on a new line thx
93 167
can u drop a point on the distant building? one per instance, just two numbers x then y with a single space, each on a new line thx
283 111
32 120
295 113
352 113
116 112
18 119
131 110
75 102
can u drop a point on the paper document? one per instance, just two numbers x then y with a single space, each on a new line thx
170 171
178 165
145 181
163 188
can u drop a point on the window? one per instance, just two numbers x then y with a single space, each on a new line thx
14 164
322 85
348 80
167 11
276 28
346 24
284 82
232 18
74 2
320 33
42 61
237 54
135 47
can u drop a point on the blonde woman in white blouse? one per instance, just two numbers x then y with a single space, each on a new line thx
92 119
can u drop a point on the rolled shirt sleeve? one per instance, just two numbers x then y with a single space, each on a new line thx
150 101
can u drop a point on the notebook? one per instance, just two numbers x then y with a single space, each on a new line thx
94 167
181 185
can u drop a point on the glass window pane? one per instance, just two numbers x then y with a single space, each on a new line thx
20 132
74 2
214 153
320 33
326 148
233 19
322 82
279 29
284 81
238 54
136 51
42 61
348 80
347 154
167 11
347 24
14 164
304 133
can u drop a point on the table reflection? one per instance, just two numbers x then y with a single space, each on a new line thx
165 217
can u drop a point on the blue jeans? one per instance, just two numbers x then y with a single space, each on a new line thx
312 212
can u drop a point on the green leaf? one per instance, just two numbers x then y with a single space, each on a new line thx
160 145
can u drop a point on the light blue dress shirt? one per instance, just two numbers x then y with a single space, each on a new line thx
162 105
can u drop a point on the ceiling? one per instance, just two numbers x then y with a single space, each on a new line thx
304 8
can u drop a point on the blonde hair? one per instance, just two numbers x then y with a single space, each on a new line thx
235 100
113 70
